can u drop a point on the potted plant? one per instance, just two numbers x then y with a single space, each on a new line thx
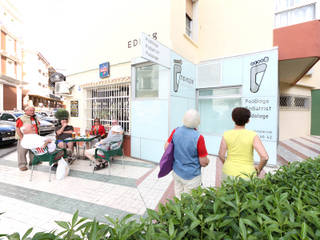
61 114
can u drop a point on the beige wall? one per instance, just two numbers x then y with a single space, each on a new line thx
232 27
108 42
107 39
181 43
312 80
294 123
288 89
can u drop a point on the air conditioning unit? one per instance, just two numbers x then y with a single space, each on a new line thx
62 88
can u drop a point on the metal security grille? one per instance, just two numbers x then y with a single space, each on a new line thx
295 102
110 102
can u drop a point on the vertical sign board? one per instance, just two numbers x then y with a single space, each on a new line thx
104 70
260 96
74 108
182 89
154 51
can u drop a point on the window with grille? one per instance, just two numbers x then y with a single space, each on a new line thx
110 102
295 102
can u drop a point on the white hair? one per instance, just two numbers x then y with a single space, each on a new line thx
191 118
28 107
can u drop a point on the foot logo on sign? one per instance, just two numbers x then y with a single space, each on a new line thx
257 72
176 71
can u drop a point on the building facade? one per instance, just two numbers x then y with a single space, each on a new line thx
210 55
11 79
36 74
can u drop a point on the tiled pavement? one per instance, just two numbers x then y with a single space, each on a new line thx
298 149
129 189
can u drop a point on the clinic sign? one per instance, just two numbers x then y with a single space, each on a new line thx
183 77
154 51
260 93
178 77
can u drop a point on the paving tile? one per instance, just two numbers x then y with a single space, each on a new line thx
301 149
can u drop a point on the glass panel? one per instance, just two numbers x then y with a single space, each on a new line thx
218 92
302 14
147 81
215 114
282 19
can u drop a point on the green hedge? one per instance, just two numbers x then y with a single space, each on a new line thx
285 205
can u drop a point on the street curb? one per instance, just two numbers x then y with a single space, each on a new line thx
7 153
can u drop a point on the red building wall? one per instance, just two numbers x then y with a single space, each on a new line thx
9 97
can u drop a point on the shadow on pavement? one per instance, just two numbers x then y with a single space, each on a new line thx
6 149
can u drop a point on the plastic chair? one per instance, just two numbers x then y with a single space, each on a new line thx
109 153
46 156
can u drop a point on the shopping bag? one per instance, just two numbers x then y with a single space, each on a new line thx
62 169
166 161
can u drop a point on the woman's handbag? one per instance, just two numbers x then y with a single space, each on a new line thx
166 161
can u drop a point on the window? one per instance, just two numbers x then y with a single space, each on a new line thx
289 12
192 19
10 68
109 102
10 48
7 117
147 81
215 107
188 25
295 102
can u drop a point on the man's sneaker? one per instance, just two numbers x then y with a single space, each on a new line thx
23 169
70 160
100 166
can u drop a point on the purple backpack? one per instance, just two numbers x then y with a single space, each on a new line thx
166 161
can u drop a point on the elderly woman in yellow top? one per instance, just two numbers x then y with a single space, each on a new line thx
239 144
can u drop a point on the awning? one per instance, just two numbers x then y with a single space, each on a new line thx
44 97
106 82
299 49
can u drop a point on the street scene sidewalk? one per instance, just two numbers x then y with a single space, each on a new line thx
131 188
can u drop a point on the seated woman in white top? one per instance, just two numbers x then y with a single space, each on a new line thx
111 142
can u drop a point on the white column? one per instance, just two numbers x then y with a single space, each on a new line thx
19 98
1 97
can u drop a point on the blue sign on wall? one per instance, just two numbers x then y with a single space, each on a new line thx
104 70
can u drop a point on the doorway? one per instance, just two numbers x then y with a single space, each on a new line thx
315 112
